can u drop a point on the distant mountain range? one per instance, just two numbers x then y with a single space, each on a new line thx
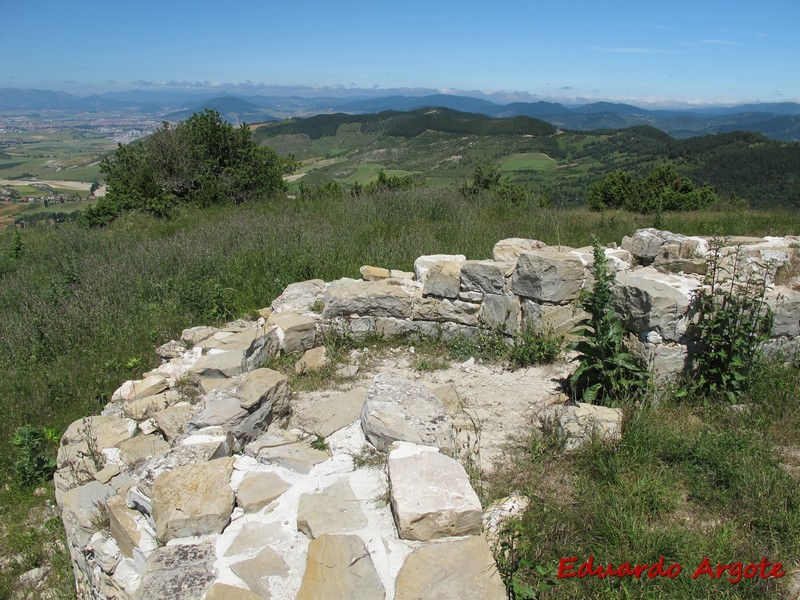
779 121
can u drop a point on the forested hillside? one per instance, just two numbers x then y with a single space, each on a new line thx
441 147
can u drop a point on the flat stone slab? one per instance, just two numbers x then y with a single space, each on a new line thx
193 500
431 495
255 536
285 450
400 410
331 412
258 489
462 569
256 571
223 591
182 572
338 567
141 448
334 510
219 365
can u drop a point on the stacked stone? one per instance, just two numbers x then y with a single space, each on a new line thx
190 485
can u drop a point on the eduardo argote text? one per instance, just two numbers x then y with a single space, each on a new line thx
734 572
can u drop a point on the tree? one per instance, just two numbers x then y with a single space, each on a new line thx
201 161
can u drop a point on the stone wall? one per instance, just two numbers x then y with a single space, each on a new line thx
189 485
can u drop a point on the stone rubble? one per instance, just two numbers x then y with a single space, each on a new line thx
191 485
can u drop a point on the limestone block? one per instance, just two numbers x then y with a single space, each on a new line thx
194 335
264 387
334 510
646 244
443 280
254 536
398 274
463 569
338 567
548 276
510 249
258 489
376 298
398 409
79 510
423 264
436 309
180 572
785 305
172 421
223 591
149 386
331 412
300 297
485 276
144 408
390 327
648 300
299 331
312 360
500 311
256 571
193 500
369 273
88 437
560 319
286 450
219 365
172 349
129 528
141 448
580 422
431 495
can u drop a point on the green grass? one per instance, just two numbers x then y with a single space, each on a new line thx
536 161
683 483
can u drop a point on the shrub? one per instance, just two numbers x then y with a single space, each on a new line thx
606 371
35 454
200 161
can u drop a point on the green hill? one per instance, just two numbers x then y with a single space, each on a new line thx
443 146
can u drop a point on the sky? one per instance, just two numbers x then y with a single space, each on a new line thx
645 52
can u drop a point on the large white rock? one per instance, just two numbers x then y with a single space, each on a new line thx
299 331
300 297
485 276
431 494
400 410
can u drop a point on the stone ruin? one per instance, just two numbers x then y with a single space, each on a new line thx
190 485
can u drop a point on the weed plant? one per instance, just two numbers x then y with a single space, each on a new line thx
606 372
733 323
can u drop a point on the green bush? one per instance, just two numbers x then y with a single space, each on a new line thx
35 449
201 161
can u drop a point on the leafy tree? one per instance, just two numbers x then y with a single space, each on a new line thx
201 161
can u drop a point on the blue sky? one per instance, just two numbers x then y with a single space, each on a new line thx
704 51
